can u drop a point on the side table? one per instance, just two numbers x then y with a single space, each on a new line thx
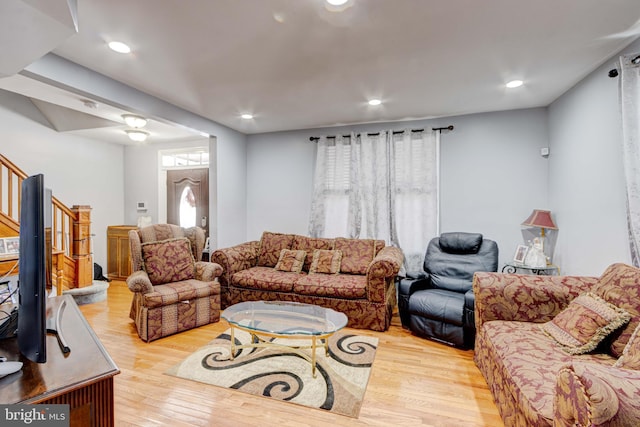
514 267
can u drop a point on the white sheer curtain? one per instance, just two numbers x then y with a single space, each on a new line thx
380 185
415 186
331 188
630 99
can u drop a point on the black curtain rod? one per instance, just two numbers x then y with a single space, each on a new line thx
614 72
395 132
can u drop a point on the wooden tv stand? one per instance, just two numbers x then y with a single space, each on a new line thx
83 378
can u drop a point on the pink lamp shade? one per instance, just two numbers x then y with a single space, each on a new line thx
540 218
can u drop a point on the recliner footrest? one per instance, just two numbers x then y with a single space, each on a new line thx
438 304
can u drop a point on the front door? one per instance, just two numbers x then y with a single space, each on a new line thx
188 198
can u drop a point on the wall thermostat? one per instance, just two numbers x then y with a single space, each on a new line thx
141 206
544 151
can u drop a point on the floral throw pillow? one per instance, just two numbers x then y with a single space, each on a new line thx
586 321
291 260
270 246
325 261
630 358
168 260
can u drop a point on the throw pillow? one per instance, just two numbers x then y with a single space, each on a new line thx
291 260
586 321
325 261
357 254
270 246
620 286
168 260
630 358
308 244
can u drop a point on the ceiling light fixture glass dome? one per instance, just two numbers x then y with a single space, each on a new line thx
137 135
514 83
337 2
134 121
375 102
247 116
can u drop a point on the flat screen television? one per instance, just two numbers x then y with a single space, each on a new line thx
34 266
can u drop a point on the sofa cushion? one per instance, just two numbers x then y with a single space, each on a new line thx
265 278
332 285
309 244
270 246
168 260
325 261
586 321
291 260
529 366
620 286
630 358
357 254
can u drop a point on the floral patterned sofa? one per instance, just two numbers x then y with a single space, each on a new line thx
353 276
561 350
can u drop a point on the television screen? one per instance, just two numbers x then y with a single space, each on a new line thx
35 218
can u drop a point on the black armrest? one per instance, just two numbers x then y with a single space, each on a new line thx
416 275
408 285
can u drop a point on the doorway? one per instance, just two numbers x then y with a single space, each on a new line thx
188 198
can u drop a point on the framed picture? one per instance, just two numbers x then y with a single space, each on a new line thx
521 253
3 248
12 245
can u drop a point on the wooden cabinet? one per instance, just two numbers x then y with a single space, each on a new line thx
82 378
118 257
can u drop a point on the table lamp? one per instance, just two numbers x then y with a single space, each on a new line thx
542 219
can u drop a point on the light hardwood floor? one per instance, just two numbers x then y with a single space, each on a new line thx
414 382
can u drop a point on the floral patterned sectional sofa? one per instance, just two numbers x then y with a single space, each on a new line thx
353 276
561 350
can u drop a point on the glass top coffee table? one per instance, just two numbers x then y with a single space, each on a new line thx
279 319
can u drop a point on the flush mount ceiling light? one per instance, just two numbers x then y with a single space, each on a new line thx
119 47
514 84
134 121
247 116
375 102
137 135
337 5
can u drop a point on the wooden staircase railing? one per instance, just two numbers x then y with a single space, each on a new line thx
71 231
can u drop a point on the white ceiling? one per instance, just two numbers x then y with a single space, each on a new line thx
294 64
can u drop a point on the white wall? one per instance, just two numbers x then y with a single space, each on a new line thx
232 189
492 174
586 184
80 171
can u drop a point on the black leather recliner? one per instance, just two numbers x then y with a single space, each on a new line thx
439 302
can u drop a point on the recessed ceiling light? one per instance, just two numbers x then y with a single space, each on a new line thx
375 102
337 5
137 135
247 116
119 47
134 121
514 83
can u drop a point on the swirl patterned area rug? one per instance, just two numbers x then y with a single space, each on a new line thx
339 386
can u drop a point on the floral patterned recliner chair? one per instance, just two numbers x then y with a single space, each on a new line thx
172 292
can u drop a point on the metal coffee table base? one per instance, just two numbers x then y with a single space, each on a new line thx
259 342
